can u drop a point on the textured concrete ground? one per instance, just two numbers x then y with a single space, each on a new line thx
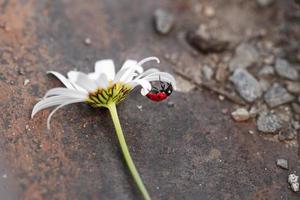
193 150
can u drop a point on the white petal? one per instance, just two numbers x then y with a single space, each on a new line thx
82 80
65 92
73 76
148 72
146 86
147 60
63 79
106 67
58 107
93 76
128 68
52 101
102 81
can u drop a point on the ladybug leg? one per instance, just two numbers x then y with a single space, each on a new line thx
154 89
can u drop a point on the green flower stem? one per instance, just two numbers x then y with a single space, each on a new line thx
114 115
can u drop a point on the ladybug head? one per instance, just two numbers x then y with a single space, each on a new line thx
169 89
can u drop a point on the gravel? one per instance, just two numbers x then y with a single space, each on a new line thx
293 180
277 95
285 70
293 87
268 122
266 71
245 56
283 163
207 72
246 85
203 41
163 21
264 3
240 114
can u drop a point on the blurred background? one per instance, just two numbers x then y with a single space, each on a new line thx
229 132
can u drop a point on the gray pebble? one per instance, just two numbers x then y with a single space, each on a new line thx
268 122
207 72
266 71
277 95
205 42
285 70
264 3
283 163
245 56
164 21
246 85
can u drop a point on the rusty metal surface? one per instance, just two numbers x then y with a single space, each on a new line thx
189 151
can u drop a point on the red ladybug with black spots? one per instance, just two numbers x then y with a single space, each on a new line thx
156 94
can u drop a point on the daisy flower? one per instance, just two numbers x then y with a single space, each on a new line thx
105 88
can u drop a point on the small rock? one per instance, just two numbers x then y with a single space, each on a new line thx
293 87
4 176
296 108
26 82
207 72
296 125
221 97
283 163
264 3
266 71
140 107
285 70
293 181
209 11
21 71
246 85
251 132
205 42
264 85
240 114
287 133
164 21
253 111
268 122
171 104
87 41
277 95
245 56
221 73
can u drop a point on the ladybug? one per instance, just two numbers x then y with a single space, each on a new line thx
156 94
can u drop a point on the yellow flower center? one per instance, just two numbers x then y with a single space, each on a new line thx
113 94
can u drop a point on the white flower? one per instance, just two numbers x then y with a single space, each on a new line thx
101 87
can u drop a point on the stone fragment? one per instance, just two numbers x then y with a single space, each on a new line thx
293 180
264 85
288 133
245 56
293 87
268 122
87 41
202 40
283 163
246 85
296 108
240 114
264 3
266 71
285 70
163 21
221 73
207 72
209 11
277 95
